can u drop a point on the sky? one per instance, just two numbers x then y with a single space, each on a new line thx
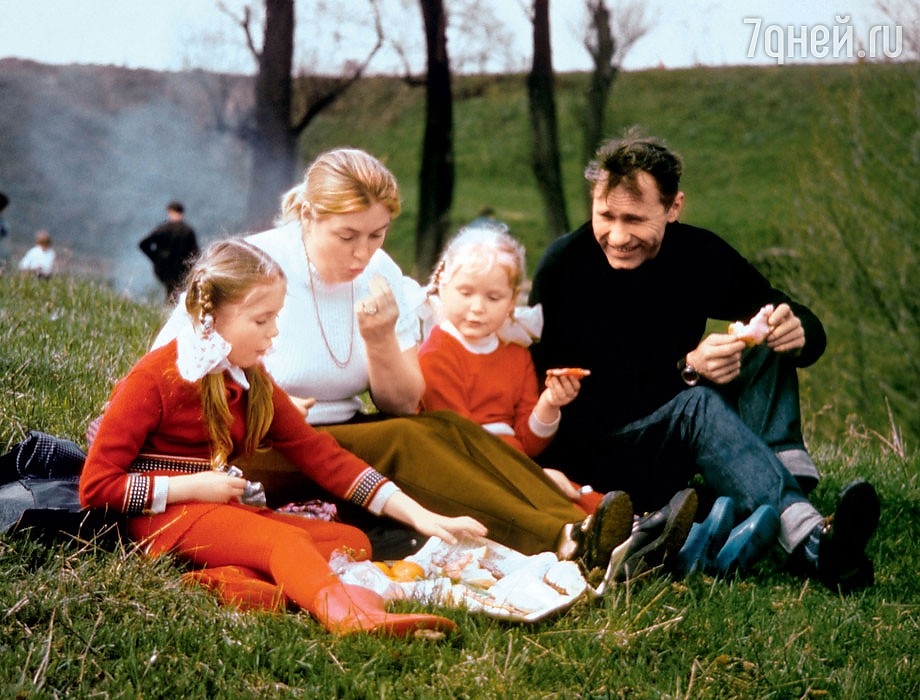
176 34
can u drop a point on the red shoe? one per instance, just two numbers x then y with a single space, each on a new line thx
346 609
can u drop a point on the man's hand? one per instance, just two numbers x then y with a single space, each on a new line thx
787 334
717 357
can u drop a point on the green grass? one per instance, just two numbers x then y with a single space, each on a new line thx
78 621
809 171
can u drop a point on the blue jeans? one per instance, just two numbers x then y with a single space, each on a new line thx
728 435
19 496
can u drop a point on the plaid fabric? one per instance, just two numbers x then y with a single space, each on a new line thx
42 456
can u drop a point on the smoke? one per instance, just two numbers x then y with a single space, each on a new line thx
97 152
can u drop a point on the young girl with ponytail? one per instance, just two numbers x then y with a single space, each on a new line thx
192 407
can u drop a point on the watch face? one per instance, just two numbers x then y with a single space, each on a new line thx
689 375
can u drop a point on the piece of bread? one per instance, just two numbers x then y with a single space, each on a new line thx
755 331
576 372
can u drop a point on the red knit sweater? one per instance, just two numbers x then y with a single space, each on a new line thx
498 387
153 410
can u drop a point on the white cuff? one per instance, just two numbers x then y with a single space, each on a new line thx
379 501
160 490
541 429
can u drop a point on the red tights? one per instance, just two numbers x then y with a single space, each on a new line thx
264 559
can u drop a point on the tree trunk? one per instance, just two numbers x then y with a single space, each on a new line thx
603 75
272 140
541 94
436 176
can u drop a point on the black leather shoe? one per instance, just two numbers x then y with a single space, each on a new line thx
610 525
658 536
842 561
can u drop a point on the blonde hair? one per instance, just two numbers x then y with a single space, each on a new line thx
478 249
224 274
342 181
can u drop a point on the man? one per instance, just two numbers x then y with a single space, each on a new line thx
4 234
172 248
628 296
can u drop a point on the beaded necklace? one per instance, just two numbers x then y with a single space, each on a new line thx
341 364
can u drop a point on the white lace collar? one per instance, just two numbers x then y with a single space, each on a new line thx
523 328
483 346
203 351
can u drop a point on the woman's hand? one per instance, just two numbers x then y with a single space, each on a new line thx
209 487
377 314
394 376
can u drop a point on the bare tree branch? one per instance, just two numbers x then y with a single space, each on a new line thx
245 22
318 102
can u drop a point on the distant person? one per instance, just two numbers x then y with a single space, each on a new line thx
627 295
4 234
173 248
487 217
39 259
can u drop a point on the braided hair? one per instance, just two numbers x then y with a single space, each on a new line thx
478 248
224 274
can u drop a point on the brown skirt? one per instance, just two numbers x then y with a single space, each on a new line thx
451 466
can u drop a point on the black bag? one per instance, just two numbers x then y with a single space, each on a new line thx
39 495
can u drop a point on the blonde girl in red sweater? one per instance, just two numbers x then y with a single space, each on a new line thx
195 405
470 365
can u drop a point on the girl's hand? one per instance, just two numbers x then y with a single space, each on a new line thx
208 487
563 484
303 405
409 511
451 530
561 390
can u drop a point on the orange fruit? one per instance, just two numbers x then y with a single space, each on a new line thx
403 570
384 568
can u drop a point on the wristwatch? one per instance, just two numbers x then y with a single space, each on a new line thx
687 372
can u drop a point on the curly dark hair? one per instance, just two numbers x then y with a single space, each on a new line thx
619 161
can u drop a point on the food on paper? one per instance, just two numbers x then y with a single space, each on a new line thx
403 571
564 578
476 574
576 372
481 578
755 331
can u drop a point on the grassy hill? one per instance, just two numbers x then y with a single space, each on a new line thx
81 621
811 171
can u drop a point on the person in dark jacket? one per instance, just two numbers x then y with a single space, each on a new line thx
173 248
628 296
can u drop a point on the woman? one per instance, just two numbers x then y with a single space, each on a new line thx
349 326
